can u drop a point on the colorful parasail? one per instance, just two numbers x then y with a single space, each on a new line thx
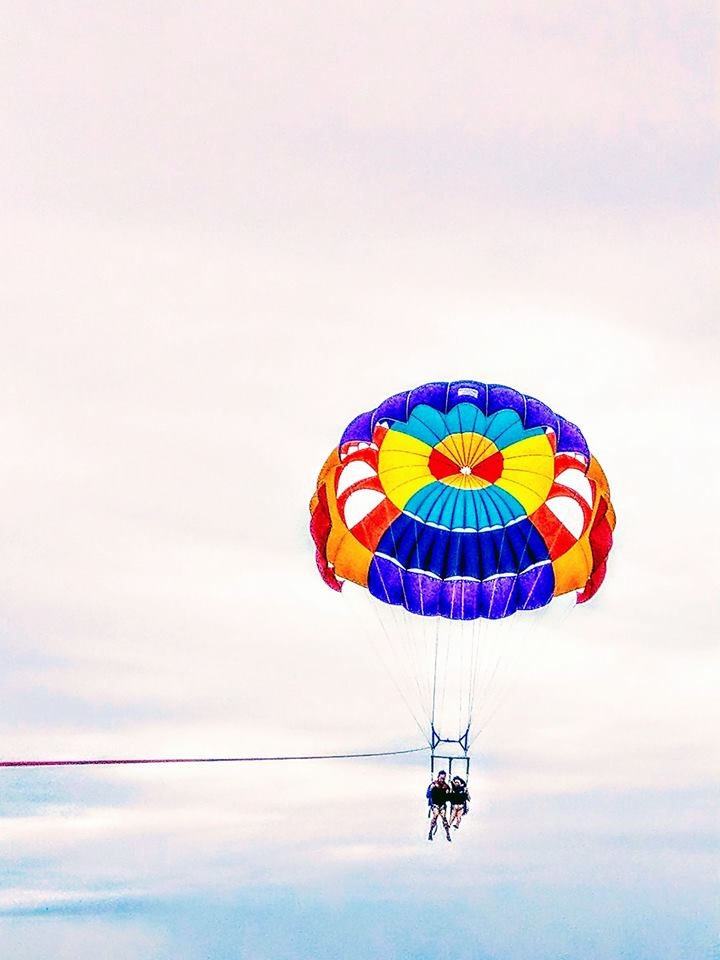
463 500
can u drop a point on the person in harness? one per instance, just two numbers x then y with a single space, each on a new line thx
459 797
438 794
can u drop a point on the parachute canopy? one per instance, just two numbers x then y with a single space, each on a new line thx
463 500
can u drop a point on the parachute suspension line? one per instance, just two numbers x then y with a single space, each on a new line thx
461 687
470 668
441 677
474 635
124 762
475 657
514 633
389 670
402 648
481 653
501 654
445 633
475 662
407 652
501 691
475 647
523 629
434 680
467 643
418 654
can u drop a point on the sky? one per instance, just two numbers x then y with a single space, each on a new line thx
228 229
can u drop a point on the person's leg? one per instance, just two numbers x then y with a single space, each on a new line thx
445 823
433 821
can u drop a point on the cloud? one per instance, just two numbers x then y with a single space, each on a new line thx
46 933
43 902
361 111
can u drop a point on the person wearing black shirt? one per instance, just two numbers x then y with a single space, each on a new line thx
459 797
438 794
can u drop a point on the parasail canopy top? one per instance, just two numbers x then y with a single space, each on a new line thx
463 500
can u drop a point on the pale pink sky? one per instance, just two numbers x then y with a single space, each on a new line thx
227 230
